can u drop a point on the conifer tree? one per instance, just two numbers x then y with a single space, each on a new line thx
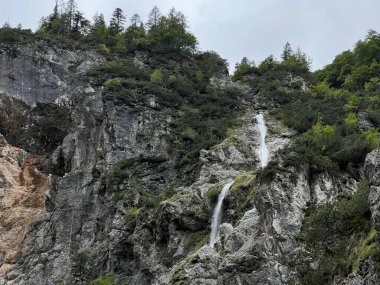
117 21
135 20
98 31
287 52
154 17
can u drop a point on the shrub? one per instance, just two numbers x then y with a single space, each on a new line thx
156 76
372 138
114 84
107 279
340 236
102 49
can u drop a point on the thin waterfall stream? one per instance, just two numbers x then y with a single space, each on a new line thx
263 150
217 215
264 159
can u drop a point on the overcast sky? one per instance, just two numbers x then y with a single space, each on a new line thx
237 28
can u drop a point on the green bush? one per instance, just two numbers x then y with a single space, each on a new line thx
107 279
102 48
156 76
114 84
340 236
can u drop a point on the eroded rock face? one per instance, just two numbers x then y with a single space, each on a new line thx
83 233
372 173
79 223
23 189
43 75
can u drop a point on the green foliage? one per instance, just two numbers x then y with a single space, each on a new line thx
70 23
212 179
243 68
98 33
295 61
327 120
170 34
268 64
205 125
354 70
213 193
241 195
198 213
156 76
117 22
372 138
194 241
135 37
102 48
10 35
179 277
82 264
131 214
340 236
107 279
241 182
129 173
368 248
170 70
114 84
351 121
374 117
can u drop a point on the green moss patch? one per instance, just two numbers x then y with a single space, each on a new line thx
213 192
241 195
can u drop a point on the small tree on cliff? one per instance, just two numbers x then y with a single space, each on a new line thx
117 22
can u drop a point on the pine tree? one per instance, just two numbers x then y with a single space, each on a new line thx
135 20
287 52
98 31
71 10
154 17
80 25
117 21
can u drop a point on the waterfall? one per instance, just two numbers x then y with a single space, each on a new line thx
263 150
217 215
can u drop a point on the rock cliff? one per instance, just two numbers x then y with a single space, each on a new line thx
89 185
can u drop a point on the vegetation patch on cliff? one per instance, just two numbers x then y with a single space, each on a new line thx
340 236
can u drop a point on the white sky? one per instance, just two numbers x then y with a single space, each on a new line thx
237 28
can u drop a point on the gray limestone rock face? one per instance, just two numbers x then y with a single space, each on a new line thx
372 167
116 203
78 231
372 174
42 76
364 121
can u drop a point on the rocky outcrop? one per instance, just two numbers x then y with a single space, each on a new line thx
23 191
90 186
43 75
83 227
372 173
364 122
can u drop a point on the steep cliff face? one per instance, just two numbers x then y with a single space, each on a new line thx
64 118
90 185
23 192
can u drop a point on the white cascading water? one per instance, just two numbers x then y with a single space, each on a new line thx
263 150
217 215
